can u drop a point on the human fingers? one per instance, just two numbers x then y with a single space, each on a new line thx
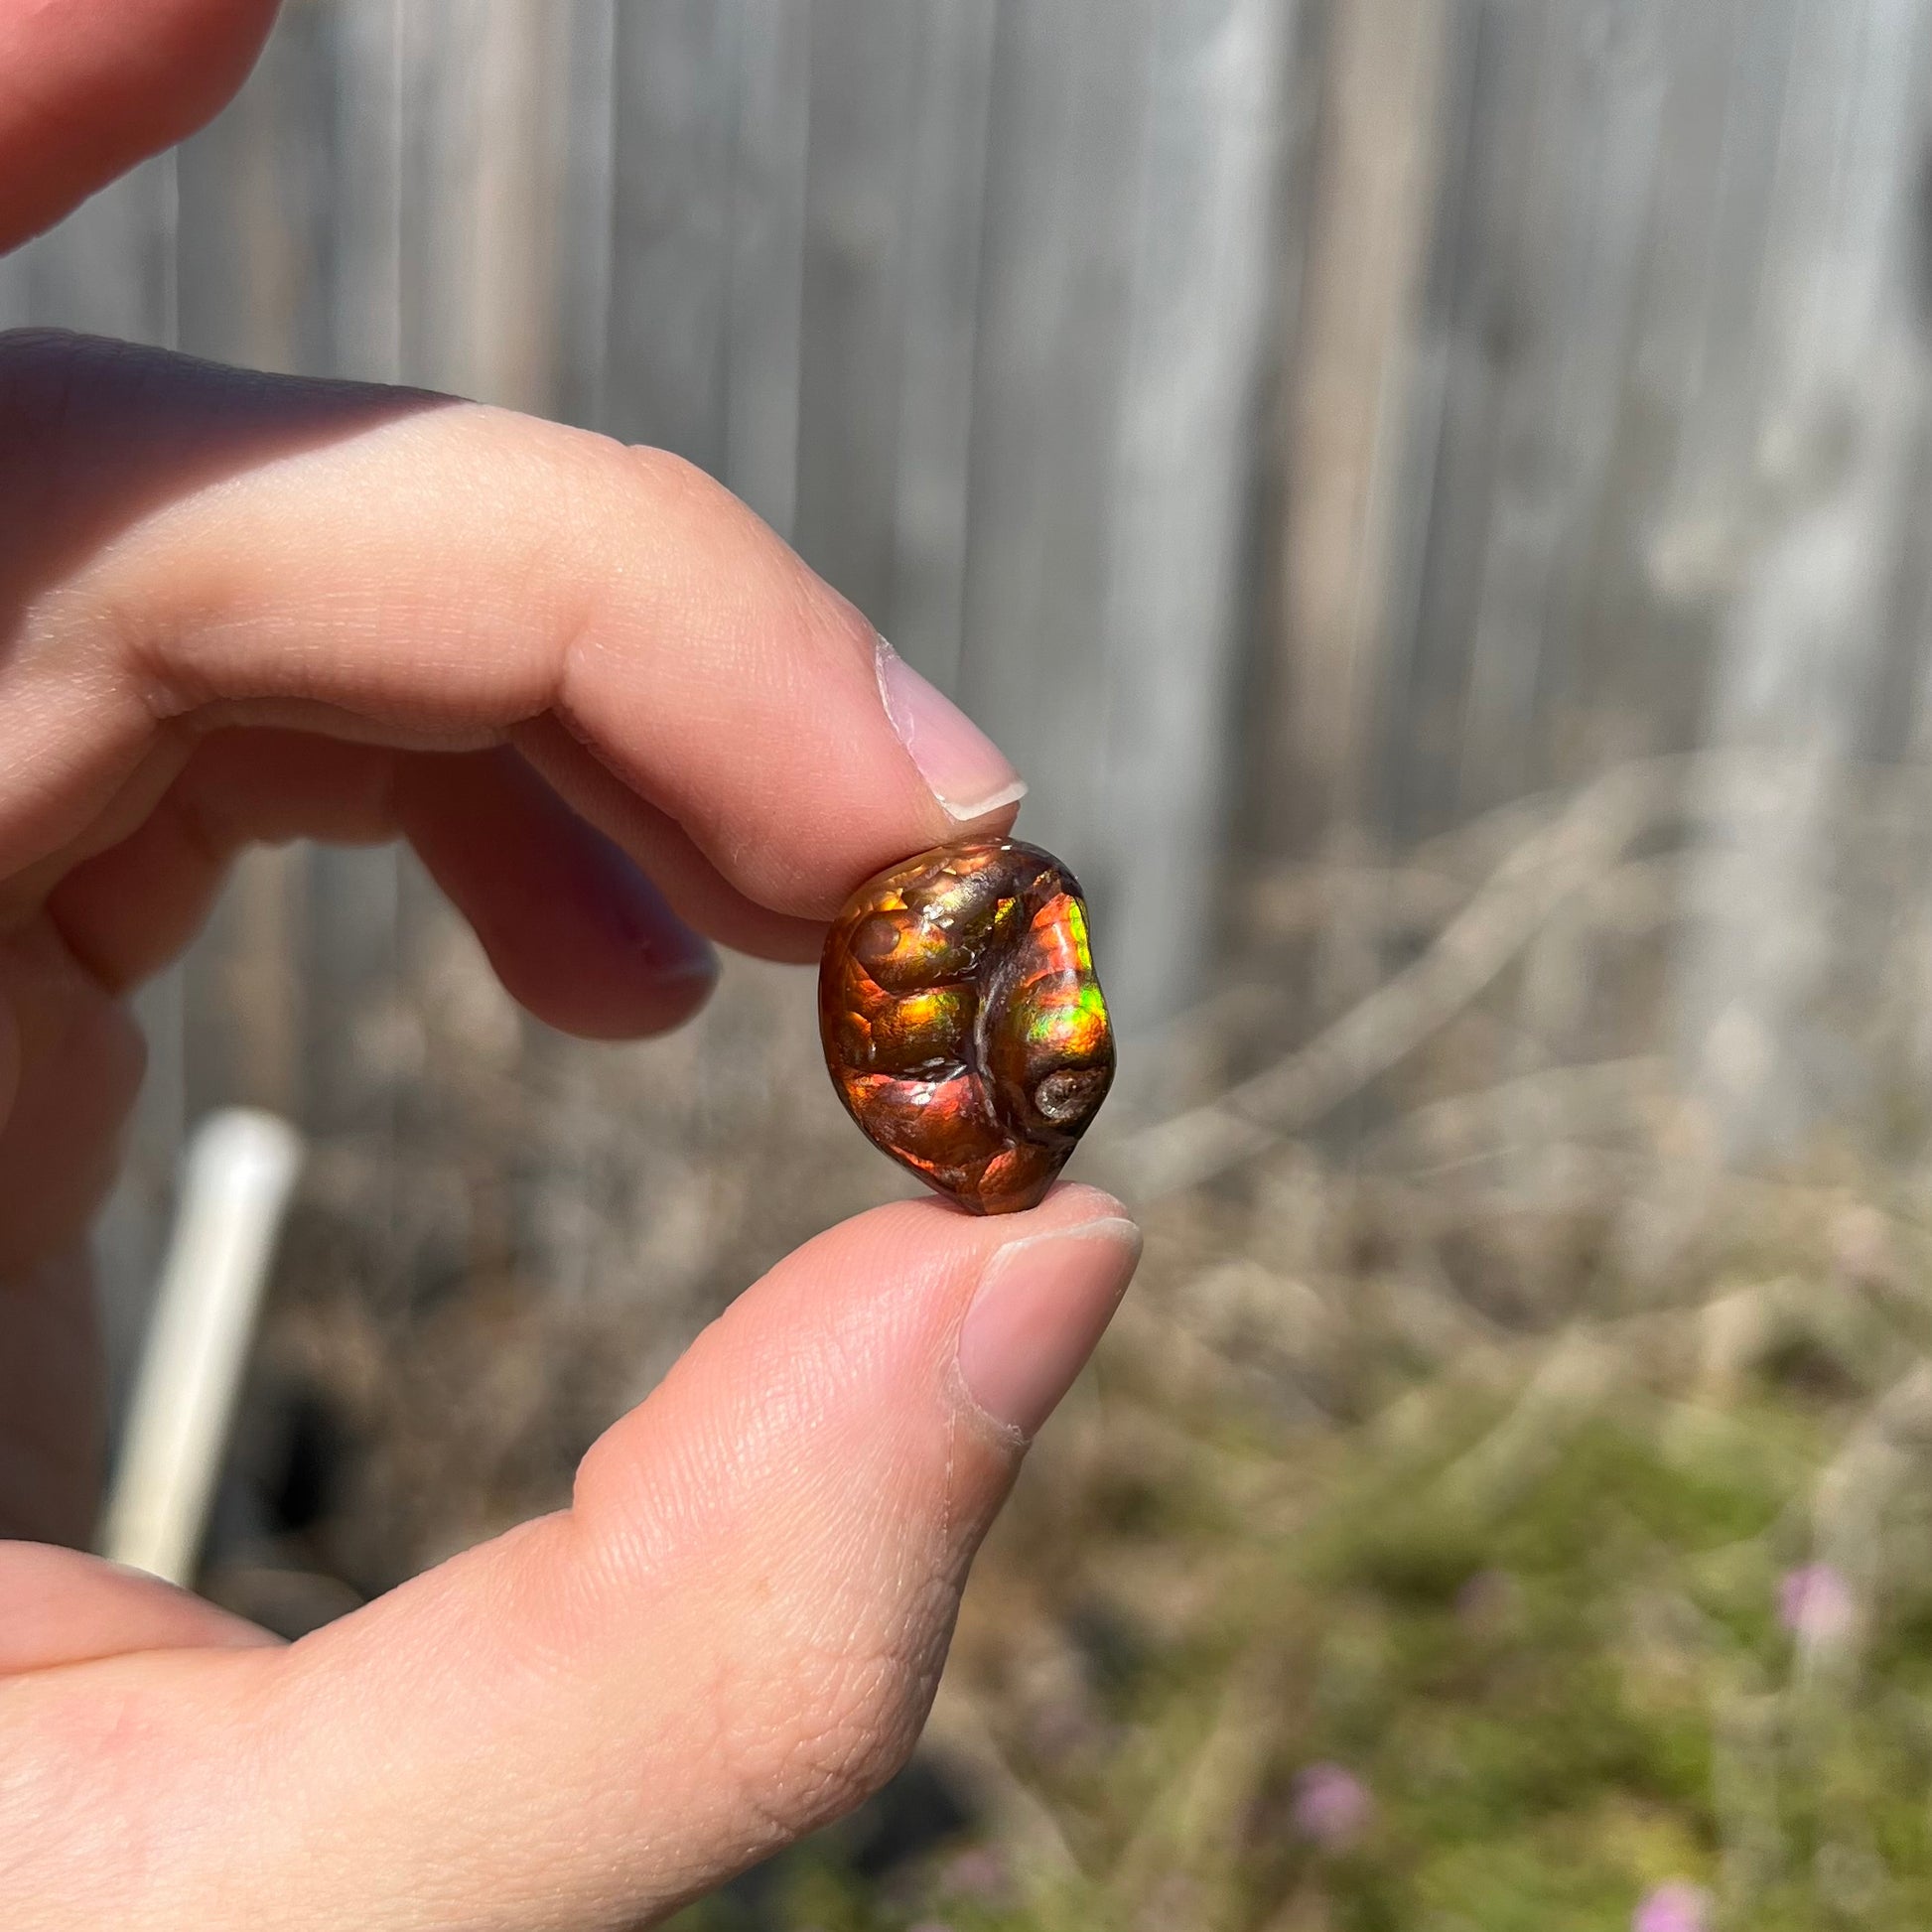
78 1064
575 930
71 1061
57 1607
576 933
183 547
88 87
52 1410
732 1636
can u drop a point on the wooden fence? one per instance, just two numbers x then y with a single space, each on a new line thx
1607 434
1289 425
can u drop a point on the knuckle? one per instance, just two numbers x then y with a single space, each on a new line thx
656 489
666 474
747 569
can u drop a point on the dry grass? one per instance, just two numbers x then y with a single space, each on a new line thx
1461 1435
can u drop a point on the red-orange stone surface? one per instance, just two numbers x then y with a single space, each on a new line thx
962 1022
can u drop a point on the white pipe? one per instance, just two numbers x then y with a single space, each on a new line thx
237 1180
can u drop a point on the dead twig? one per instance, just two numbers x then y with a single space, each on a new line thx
1499 921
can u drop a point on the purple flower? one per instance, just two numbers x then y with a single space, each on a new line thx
1333 1806
979 1871
1675 1907
1814 1603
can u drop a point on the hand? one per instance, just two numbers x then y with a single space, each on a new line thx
614 716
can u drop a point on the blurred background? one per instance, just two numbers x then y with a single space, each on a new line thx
1432 493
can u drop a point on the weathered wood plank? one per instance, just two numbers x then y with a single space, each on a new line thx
1639 622
1472 330
1581 253
363 196
588 138
1201 301
858 219
1354 344
765 302
256 189
1060 256
899 105
946 192
1841 408
483 99
675 92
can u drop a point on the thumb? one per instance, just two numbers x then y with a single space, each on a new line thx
730 1637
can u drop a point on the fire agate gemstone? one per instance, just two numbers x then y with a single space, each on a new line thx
962 1022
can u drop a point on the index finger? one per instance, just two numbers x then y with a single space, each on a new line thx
87 88
183 546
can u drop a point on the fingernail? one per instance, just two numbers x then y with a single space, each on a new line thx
965 770
1041 1305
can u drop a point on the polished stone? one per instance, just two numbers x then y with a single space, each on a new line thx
962 1022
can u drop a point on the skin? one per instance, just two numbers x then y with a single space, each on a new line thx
583 681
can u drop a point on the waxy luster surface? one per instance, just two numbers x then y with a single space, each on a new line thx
962 1022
